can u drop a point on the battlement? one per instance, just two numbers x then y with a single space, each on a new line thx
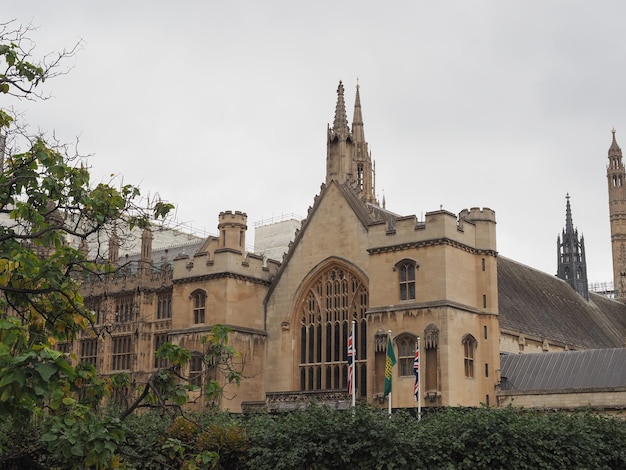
473 227
230 217
225 261
477 214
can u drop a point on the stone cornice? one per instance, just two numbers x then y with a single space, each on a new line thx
408 307
208 277
207 328
433 242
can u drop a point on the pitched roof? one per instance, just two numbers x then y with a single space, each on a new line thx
368 214
534 303
594 368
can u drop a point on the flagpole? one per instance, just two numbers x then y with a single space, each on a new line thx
389 344
353 373
419 381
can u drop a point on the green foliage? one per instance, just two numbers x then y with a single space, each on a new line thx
220 362
145 436
453 438
50 211
322 438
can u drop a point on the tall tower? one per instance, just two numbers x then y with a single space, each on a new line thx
348 159
616 176
572 264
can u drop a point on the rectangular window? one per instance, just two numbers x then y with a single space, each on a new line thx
65 348
164 306
485 331
124 307
195 370
487 400
486 370
158 342
407 281
483 263
199 307
484 301
121 353
95 304
89 351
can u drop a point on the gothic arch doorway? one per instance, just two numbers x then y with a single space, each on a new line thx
333 296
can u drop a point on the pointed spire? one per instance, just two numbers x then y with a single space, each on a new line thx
614 149
357 120
569 224
340 125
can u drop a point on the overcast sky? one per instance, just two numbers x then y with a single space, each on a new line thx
224 105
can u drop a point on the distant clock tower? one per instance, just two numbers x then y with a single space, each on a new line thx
616 176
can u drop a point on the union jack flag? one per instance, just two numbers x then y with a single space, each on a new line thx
416 370
351 358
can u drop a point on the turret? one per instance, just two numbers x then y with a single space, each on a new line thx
114 248
146 250
233 227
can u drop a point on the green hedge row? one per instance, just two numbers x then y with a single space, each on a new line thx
363 438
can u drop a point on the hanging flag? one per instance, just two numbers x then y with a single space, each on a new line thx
416 370
390 361
351 358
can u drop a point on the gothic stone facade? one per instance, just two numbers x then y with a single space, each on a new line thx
351 260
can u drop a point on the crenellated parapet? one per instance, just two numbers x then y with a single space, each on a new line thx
472 229
477 214
225 254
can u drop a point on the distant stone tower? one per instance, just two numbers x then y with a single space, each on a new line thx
616 176
348 159
572 264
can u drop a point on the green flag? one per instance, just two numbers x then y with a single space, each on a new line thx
390 361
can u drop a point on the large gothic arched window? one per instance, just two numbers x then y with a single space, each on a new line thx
332 300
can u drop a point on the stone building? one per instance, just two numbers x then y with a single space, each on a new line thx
439 279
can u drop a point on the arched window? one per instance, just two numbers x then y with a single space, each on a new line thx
469 348
406 270
407 345
333 299
199 306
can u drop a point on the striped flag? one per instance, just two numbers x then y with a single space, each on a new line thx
351 358
416 370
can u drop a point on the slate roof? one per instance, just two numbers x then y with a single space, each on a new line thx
537 304
569 370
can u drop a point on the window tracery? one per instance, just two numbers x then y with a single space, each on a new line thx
333 299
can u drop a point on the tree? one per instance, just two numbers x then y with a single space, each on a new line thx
52 224
49 214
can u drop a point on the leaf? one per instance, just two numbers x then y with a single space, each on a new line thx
48 437
46 370
77 450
